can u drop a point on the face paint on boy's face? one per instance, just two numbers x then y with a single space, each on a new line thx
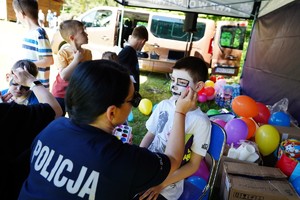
180 81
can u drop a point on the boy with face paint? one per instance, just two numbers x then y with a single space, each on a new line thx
188 72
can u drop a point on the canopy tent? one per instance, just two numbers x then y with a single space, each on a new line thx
246 9
271 69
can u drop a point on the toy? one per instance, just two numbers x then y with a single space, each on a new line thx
123 132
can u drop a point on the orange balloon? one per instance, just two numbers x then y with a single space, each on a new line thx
251 127
244 106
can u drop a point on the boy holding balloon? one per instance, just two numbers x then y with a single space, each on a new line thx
189 72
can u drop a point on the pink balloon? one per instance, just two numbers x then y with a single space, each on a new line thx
236 130
211 97
221 122
202 98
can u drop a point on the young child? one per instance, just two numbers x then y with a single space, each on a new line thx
109 55
189 72
21 94
35 45
128 57
73 32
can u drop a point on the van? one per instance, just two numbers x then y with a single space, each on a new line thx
108 29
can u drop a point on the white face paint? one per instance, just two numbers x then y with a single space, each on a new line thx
180 80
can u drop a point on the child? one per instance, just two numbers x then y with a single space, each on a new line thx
189 72
127 55
73 32
21 94
109 55
35 45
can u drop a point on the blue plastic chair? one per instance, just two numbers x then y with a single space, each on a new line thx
216 148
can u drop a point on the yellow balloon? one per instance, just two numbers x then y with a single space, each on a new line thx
267 139
209 83
145 106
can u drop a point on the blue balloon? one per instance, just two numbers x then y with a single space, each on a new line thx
130 117
296 184
279 119
154 107
197 181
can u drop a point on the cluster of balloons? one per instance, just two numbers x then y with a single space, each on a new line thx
251 112
211 86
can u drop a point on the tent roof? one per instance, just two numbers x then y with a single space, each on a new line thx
232 8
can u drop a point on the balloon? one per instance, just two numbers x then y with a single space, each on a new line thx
209 83
130 117
203 171
197 181
155 105
251 126
236 130
202 98
212 112
219 84
244 106
263 113
221 122
145 106
213 78
267 139
279 119
201 91
211 97
209 91
296 184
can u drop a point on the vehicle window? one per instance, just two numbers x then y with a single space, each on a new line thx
99 18
172 28
232 37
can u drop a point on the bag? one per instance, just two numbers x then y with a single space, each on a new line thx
288 156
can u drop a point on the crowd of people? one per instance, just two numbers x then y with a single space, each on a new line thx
49 155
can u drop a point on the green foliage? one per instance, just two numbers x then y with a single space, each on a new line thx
76 7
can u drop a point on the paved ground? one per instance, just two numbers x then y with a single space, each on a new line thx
10 36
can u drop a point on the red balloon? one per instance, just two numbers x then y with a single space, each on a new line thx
263 114
201 91
213 78
209 91
244 106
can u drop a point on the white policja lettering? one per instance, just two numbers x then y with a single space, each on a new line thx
43 156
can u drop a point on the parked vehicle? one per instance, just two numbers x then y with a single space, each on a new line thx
108 28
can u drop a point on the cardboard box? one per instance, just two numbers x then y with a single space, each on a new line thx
288 132
253 182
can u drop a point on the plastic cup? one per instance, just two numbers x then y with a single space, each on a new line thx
246 151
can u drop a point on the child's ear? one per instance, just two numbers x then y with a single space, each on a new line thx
199 86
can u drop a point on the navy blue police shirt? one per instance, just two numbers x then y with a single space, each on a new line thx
70 161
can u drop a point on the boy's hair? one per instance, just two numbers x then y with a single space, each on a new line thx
109 55
140 32
30 8
69 27
94 86
28 65
195 66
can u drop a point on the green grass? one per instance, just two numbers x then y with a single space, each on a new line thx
155 87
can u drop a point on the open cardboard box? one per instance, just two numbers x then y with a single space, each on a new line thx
292 132
248 181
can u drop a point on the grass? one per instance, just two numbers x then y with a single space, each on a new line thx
155 87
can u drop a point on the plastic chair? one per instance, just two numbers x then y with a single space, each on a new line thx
216 148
